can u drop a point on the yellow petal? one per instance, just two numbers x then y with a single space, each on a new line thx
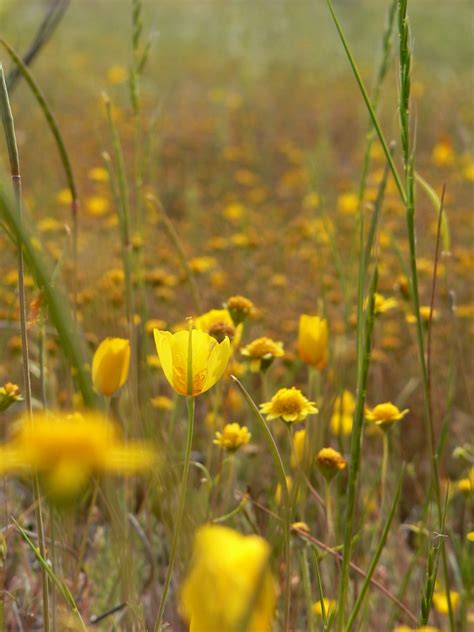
163 340
218 360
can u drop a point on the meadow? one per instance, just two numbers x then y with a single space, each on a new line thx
236 316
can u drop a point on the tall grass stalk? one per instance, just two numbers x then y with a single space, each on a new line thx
10 137
190 401
376 555
356 446
63 155
408 160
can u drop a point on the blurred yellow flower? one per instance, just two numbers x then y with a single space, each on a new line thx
466 484
329 606
313 341
262 352
218 324
330 462
229 575
342 414
161 402
117 74
65 450
232 437
440 601
98 174
298 451
382 304
9 394
384 415
239 308
443 154
348 203
110 365
209 359
290 404
97 205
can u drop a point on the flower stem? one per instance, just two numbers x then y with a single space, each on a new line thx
285 495
182 501
383 483
328 504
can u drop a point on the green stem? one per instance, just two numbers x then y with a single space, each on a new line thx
328 506
383 479
307 588
179 519
285 495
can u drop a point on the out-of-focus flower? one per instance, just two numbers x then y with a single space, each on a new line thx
313 341
161 402
330 462
262 352
209 359
348 203
110 365
232 437
425 311
466 484
382 304
301 526
229 575
117 74
440 601
218 324
329 607
278 492
9 394
65 450
299 445
342 414
290 404
384 415
239 308
443 154
97 205
98 174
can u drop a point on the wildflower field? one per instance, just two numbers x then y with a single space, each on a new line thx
236 315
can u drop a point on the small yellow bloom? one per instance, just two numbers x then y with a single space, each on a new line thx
329 607
470 536
348 203
330 462
262 352
65 450
63 196
232 437
97 205
117 74
98 174
299 445
209 359
161 402
218 324
301 526
110 365
384 415
443 154
440 601
342 414
290 404
229 573
382 304
313 341
239 308
9 394
278 490
466 484
425 311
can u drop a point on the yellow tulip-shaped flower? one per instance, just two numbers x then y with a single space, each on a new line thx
209 359
110 365
229 578
313 341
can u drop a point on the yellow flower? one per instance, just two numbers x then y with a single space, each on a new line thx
278 491
440 601
423 628
425 311
218 324
299 445
466 484
382 304
239 308
348 203
65 450
313 341
290 404
330 461
97 205
261 352
300 526
98 174
209 359
443 154
470 536
232 437
9 394
110 365
161 402
342 413
229 574
384 415
329 606
116 74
